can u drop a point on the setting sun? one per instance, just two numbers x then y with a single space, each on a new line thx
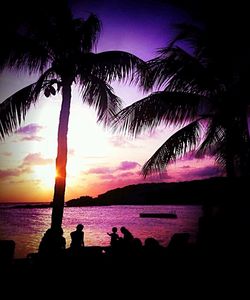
46 175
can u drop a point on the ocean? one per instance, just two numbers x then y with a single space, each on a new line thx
26 226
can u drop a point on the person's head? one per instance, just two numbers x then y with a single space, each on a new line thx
79 227
114 229
123 229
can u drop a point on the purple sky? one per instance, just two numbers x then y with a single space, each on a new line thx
139 27
106 161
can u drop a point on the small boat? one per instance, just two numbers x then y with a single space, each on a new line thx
158 215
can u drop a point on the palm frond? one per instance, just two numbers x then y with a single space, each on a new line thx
25 54
98 94
91 30
176 146
177 70
166 107
115 65
214 136
14 109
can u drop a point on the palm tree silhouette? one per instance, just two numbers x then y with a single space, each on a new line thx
204 91
59 48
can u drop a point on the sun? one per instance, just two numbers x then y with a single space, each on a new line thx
46 175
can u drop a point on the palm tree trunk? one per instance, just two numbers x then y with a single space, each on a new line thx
61 159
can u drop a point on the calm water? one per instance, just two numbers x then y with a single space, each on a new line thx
26 226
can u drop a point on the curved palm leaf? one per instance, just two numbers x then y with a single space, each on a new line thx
23 51
90 29
99 94
177 145
113 65
214 136
168 107
176 69
13 110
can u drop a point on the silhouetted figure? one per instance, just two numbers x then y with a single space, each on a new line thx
114 237
77 238
178 244
53 243
127 235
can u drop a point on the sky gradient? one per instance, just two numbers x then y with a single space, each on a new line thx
98 159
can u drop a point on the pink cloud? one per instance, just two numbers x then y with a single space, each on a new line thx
207 171
29 129
119 141
126 174
128 165
32 138
101 170
36 159
107 177
25 166
6 153
29 132
186 167
5 174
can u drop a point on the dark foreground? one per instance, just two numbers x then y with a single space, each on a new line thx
159 272
217 266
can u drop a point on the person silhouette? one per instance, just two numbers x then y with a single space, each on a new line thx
52 243
77 238
127 236
114 237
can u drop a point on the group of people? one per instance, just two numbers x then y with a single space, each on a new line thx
115 238
54 242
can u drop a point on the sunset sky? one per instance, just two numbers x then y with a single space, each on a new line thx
98 159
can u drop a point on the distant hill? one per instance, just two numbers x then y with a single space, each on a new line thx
213 189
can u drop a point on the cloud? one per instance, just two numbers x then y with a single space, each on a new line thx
126 174
29 129
107 177
5 174
25 167
185 167
119 141
36 159
29 132
128 165
206 171
6 153
32 138
100 170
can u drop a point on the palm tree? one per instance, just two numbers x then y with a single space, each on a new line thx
203 90
59 48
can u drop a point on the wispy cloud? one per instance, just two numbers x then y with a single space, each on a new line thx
185 167
126 174
32 138
107 177
121 142
206 171
29 132
100 170
5 174
30 160
128 165
6 154
36 159
29 129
